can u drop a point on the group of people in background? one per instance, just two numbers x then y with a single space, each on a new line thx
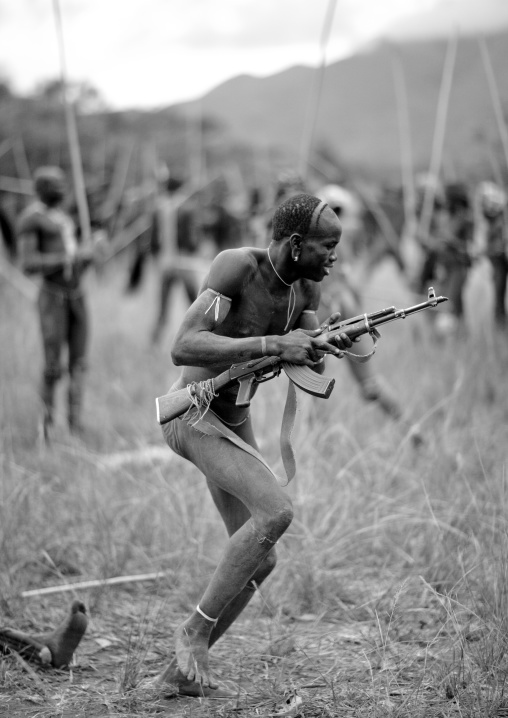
463 227
189 225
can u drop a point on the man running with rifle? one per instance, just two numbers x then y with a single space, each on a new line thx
254 303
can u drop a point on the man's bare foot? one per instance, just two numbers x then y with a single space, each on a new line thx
191 647
173 679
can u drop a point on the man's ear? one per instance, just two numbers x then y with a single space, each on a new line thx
295 242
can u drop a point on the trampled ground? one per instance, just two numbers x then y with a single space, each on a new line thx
394 650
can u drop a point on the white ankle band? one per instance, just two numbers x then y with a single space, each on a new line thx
202 613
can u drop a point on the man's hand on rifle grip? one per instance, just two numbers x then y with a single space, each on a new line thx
304 346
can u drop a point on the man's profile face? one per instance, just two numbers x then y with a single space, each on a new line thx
318 249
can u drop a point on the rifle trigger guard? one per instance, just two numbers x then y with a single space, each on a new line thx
260 378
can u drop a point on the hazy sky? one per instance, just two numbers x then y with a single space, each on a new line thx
149 53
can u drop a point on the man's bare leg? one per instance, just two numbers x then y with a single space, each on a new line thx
256 512
250 556
246 550
239 603
172 674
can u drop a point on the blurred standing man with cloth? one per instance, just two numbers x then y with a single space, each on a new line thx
48 246
175 250
253 303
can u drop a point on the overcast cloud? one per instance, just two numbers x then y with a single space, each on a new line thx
149 53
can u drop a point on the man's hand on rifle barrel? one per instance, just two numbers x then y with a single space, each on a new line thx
342 340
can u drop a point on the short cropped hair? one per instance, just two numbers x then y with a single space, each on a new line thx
294 215
43 175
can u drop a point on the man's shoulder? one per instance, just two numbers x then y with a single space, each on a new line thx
233 268
29 218
240 259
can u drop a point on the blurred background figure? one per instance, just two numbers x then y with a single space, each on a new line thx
48 246
174 244
383 223
255 223
428 239
220 226
455 255
492 201
340 293
447 249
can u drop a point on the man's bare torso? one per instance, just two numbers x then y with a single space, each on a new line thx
259 305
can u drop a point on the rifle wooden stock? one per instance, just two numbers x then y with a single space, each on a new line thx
176 403
172 405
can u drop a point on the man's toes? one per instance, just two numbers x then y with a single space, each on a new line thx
207 681
200 678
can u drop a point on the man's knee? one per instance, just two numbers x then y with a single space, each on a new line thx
273 524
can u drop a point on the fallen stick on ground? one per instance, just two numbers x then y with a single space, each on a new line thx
93 584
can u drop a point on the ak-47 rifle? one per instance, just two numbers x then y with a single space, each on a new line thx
255 371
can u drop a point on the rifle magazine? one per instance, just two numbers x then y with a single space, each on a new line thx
308 380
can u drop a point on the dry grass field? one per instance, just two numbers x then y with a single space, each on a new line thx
391 594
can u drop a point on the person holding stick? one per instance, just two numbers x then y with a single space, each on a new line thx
48 246
253 303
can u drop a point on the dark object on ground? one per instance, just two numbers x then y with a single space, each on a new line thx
54 648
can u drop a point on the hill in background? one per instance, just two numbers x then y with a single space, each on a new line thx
358 110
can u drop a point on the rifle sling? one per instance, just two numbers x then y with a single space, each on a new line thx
362 358
211 425
288 421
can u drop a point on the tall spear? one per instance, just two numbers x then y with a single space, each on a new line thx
406 155
439 133
494 93
315 96
72 135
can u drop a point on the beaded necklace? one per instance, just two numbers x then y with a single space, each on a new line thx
292 295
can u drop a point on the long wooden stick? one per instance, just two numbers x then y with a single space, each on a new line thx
439 133
115 581
406 154
18 186
21 160
72 135
110 211
5 146
494 94
315 95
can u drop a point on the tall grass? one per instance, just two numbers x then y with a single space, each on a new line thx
379 522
